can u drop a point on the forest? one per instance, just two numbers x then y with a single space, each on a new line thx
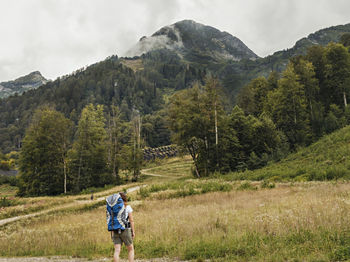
273 117
94 123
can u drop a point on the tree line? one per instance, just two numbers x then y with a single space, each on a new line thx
272 117
110 82
57 157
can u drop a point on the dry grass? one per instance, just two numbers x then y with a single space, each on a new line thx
28 205
135 64
308 222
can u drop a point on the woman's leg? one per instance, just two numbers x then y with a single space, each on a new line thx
131 253
116 252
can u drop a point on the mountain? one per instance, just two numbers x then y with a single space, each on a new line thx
173 58
279 60
188 39
22 84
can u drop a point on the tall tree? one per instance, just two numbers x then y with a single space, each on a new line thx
188 124
289 108
43 158
338 72
307 78
115 141
136 141
89 153
196 118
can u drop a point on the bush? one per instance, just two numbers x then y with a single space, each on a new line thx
5 202
11 180
335 173
144 192
246 186
266 184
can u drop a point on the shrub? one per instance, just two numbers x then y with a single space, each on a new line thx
246 186
144 192
335 173
11 180
5 202
266 184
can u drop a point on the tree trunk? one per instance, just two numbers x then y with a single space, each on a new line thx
79 171
345 102
193 155
216 127
216 136
65 175
295 112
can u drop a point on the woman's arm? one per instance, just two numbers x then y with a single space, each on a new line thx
131 220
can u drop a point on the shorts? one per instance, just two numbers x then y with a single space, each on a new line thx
124 237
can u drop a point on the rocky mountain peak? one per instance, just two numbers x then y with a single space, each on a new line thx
24 83
188 37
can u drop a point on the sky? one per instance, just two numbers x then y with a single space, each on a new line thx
57 37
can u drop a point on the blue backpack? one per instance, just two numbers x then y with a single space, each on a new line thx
116 215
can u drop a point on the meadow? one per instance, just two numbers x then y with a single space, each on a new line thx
275 214
294 222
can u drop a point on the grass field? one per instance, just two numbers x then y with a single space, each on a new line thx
275 214
294 222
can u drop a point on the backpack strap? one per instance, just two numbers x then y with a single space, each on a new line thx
112 218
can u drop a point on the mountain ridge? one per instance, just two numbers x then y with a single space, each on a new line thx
30 81
145 82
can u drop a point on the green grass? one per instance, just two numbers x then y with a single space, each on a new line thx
176 189
178 167
327 159
8 191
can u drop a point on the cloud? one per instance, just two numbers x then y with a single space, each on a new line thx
58 37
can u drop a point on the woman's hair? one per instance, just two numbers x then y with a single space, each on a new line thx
124 197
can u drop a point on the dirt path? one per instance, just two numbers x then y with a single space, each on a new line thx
62 207
145 172
13 219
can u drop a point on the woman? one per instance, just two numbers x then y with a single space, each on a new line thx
127 235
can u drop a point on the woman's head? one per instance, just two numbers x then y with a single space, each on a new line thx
124 197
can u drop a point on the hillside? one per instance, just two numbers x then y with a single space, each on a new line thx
173 58
22 84
324 160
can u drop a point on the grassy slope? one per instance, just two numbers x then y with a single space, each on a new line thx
327 159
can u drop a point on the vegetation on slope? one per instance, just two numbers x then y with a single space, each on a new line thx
141 83
326 159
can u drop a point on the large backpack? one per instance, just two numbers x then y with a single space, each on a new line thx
116 215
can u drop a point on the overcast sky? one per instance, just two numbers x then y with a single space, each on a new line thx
57 37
